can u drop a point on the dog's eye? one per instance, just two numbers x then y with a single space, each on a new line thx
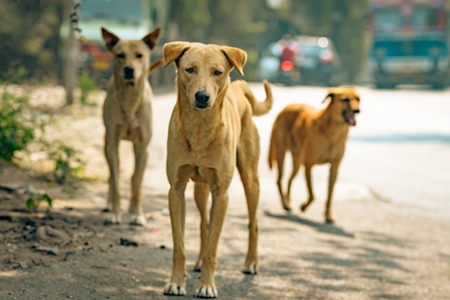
138 55
190 70
217 73
345 100
120 55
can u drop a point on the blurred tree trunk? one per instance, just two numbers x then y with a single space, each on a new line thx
71 57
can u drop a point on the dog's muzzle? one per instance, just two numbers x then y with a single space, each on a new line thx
128 73
201 99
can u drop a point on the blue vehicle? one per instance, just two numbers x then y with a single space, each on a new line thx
409 43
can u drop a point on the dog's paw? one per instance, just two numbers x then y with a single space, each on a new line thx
173 289
250 269
286 202
287 208
198 266
330 219
206 292
112 219
138 220
304 206
251 263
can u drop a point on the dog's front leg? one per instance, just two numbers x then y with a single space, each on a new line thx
310 199
219 190
177 208
329 218
112 157
201 193
140 162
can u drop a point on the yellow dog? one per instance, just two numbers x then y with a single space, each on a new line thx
127 114
314 137
210 132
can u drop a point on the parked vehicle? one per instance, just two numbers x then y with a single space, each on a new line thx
409 42
316 61
320 63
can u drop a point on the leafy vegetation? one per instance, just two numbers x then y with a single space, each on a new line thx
23 129
35 200
67 162
16 130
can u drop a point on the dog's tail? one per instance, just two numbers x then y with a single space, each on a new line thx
272 148
259 108
155 65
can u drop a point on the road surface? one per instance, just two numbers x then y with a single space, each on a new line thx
391 239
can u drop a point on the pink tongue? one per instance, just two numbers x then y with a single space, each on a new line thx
351 118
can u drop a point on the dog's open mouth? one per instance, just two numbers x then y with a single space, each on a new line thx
349 117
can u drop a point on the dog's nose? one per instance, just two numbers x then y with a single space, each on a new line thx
201 99
128 73
356 111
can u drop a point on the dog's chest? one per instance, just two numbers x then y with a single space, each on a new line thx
327 151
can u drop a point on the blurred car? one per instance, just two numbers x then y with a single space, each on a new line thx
318 60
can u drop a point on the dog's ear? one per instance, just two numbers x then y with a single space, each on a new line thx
151 38
174 50
329 96
110 38
237 57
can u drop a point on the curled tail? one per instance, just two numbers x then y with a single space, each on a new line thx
259 108
155 65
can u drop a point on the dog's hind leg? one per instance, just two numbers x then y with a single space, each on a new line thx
201 193
329 218
305 204
285 201
296 163
140 163
112 157
247 164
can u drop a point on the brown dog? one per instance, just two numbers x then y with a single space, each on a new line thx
314 137
127 115
210 132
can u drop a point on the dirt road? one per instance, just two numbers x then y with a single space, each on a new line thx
377 249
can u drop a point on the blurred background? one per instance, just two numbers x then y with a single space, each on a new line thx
363 41
380 45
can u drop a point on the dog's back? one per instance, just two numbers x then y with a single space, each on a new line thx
281 139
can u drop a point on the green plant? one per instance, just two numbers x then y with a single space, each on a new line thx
35 200
67 162
86 85
16 130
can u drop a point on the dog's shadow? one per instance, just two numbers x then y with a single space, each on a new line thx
321 227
